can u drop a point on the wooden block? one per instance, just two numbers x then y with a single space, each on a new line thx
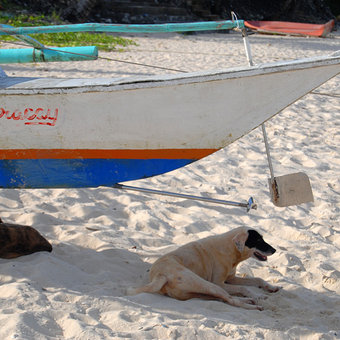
291 189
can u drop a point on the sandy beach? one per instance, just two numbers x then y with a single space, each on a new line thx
105 240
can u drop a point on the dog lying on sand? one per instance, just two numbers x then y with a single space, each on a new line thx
17 240
206 269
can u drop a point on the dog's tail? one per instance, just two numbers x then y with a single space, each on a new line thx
153 287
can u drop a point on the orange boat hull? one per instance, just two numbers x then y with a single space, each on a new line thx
291 28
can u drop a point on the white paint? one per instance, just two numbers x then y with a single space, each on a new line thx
200 110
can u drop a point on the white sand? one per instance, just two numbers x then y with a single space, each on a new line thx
105 240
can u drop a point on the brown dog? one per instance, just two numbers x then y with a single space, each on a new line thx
17 240
207 268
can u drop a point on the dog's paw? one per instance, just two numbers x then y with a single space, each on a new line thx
260 308
271 289
247 300
248 303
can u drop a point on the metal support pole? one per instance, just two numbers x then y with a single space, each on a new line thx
268 152
248 205
247 47
251 63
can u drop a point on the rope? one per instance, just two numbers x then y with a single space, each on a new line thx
234 18
142 64
105 58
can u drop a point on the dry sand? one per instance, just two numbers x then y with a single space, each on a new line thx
105 240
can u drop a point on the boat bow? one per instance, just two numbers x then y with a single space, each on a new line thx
91 132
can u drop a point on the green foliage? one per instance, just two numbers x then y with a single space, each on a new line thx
103 41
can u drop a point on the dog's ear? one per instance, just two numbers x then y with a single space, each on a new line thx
240 240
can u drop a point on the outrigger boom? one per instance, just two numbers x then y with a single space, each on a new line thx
248 205
119 28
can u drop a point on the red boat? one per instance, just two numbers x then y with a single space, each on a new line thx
290 28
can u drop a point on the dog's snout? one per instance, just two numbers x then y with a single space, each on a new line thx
269 249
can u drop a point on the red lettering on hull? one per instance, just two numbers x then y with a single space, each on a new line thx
29 116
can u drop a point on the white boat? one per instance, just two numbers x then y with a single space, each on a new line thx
92 132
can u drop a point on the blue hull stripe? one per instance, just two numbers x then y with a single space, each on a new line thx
77 173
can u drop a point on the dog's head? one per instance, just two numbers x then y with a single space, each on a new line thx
251 244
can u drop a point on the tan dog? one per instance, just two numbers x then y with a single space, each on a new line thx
207 268
17 240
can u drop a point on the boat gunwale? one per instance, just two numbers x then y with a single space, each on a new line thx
29 86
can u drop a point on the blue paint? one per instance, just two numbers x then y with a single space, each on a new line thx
25 38
77 173
30 55
121 28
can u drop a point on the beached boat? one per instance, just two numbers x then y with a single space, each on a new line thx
92 132
291 28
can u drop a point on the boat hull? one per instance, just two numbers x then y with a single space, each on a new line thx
86 133
291 28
